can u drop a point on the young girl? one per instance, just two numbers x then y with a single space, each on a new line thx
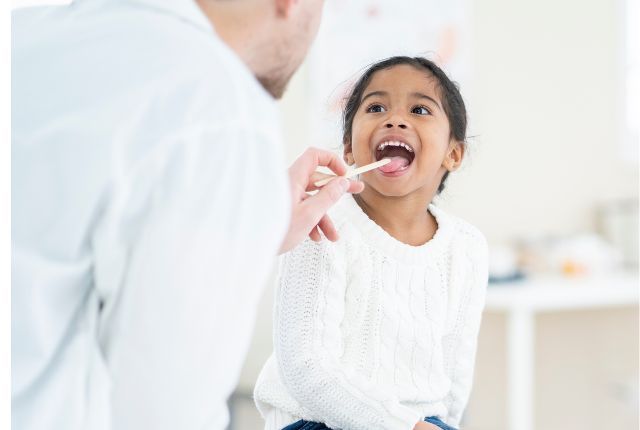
378 330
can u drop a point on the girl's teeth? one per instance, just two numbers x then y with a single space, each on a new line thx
394 143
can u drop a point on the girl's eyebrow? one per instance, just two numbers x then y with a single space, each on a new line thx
374 93
424 96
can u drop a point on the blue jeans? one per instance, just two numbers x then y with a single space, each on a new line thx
439 423
309 425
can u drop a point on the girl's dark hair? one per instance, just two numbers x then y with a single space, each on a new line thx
452 102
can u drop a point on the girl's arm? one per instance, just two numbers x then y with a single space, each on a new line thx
464 315
308 343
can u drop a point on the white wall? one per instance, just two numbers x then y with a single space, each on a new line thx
545 104
545 107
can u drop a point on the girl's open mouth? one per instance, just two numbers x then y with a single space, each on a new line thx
400 153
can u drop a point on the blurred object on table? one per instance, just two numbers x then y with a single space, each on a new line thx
504 265
575 255
587 254
618 224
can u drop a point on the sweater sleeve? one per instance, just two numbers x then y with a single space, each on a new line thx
308 344
465 314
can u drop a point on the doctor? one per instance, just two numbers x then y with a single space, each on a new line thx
148 197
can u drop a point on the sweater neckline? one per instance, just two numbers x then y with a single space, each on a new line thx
376 235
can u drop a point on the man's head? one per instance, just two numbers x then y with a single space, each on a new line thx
271 36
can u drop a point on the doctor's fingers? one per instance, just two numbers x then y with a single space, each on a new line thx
314 207
355 186
326 226
305 166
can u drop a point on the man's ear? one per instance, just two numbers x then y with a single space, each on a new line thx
284 7
348 154
454 157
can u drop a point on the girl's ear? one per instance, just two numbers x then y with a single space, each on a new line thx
453 160
348 154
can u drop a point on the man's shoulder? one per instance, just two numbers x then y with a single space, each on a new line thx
128 47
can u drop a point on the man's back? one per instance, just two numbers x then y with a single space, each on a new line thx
129 124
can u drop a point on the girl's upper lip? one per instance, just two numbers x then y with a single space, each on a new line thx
393 138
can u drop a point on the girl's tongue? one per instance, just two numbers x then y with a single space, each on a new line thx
394 165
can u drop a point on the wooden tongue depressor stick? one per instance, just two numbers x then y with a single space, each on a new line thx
355 172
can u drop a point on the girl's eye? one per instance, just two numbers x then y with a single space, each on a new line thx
375 108
421 110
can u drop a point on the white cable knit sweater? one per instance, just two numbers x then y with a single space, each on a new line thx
371 333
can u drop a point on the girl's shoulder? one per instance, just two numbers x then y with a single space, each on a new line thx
461 231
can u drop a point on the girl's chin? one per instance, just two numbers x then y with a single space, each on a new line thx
389 187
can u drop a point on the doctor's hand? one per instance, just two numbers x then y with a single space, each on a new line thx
308 212
421 425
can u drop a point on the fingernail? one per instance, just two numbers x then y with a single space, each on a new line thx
344 184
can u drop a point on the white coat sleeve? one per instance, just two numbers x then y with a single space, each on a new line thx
188 242
307 344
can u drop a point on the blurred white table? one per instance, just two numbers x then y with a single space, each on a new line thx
522 300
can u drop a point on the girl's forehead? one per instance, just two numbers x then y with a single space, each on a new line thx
402 76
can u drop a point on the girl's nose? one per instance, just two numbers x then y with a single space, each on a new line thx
395 120
399 124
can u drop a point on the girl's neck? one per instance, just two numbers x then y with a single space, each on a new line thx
405 218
